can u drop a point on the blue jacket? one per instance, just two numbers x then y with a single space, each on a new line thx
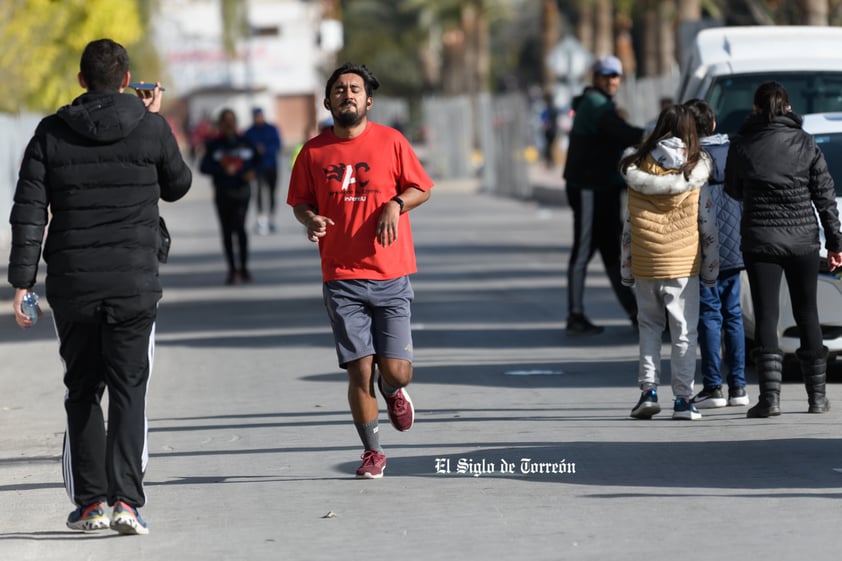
267 136
728 210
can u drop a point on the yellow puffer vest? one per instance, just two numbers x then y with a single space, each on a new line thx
664 215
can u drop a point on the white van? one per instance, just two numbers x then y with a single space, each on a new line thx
726 64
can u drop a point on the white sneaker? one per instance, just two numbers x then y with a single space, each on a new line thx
709 399
261 228
737 396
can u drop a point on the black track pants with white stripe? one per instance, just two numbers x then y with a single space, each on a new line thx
597 225
99 464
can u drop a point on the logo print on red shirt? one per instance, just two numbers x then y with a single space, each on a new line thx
346 174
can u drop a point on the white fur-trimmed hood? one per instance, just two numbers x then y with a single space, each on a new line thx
670 183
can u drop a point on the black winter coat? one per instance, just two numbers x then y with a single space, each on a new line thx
237 151
97 167
779 173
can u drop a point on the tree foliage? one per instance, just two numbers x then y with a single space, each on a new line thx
403 40
397 37
385 37
41 42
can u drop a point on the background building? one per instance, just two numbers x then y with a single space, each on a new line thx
279 60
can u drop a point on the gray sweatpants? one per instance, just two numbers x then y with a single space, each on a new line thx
678 301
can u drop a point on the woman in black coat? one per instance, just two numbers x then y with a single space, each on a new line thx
780 174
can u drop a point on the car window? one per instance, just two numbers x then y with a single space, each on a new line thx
731 96
831 147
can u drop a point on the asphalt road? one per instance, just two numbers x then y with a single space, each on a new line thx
523 448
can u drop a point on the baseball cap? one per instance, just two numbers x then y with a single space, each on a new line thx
608 65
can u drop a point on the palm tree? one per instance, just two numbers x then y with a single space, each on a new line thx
585 23
549 39
603 27
462 26
235 24
815 12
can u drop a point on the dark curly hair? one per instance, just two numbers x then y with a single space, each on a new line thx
371 83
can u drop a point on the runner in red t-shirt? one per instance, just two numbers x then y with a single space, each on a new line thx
352 187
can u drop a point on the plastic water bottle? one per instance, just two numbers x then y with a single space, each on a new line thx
29 306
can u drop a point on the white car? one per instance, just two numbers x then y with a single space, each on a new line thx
726 64
827 130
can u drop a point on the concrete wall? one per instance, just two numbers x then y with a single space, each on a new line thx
15 132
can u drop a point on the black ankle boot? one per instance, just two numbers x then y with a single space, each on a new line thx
768 405
769 366
814 371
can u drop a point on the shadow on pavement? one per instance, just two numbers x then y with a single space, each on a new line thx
772 465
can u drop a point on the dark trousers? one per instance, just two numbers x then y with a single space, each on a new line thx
100 465
764 276
267 182
232 222
597 225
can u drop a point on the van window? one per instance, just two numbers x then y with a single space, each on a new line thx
732 96
831 146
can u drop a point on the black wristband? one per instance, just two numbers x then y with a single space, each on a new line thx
399 201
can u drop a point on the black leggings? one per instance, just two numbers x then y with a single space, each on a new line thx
232 221
764 276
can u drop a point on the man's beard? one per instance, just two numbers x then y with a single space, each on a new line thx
348 119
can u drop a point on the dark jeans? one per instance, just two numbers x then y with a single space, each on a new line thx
764 276
721 322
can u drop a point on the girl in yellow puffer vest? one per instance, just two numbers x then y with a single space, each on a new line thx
669 242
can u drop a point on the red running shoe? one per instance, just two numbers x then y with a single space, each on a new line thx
373 466
399 406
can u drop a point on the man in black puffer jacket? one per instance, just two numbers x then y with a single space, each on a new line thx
99 167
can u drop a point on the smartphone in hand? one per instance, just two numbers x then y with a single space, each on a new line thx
145 86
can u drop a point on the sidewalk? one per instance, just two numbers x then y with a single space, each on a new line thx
547 184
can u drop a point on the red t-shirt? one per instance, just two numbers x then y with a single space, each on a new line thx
349 181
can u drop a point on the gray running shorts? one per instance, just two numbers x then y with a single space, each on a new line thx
370 317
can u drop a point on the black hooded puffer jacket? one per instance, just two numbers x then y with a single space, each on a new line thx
99 167
779 173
